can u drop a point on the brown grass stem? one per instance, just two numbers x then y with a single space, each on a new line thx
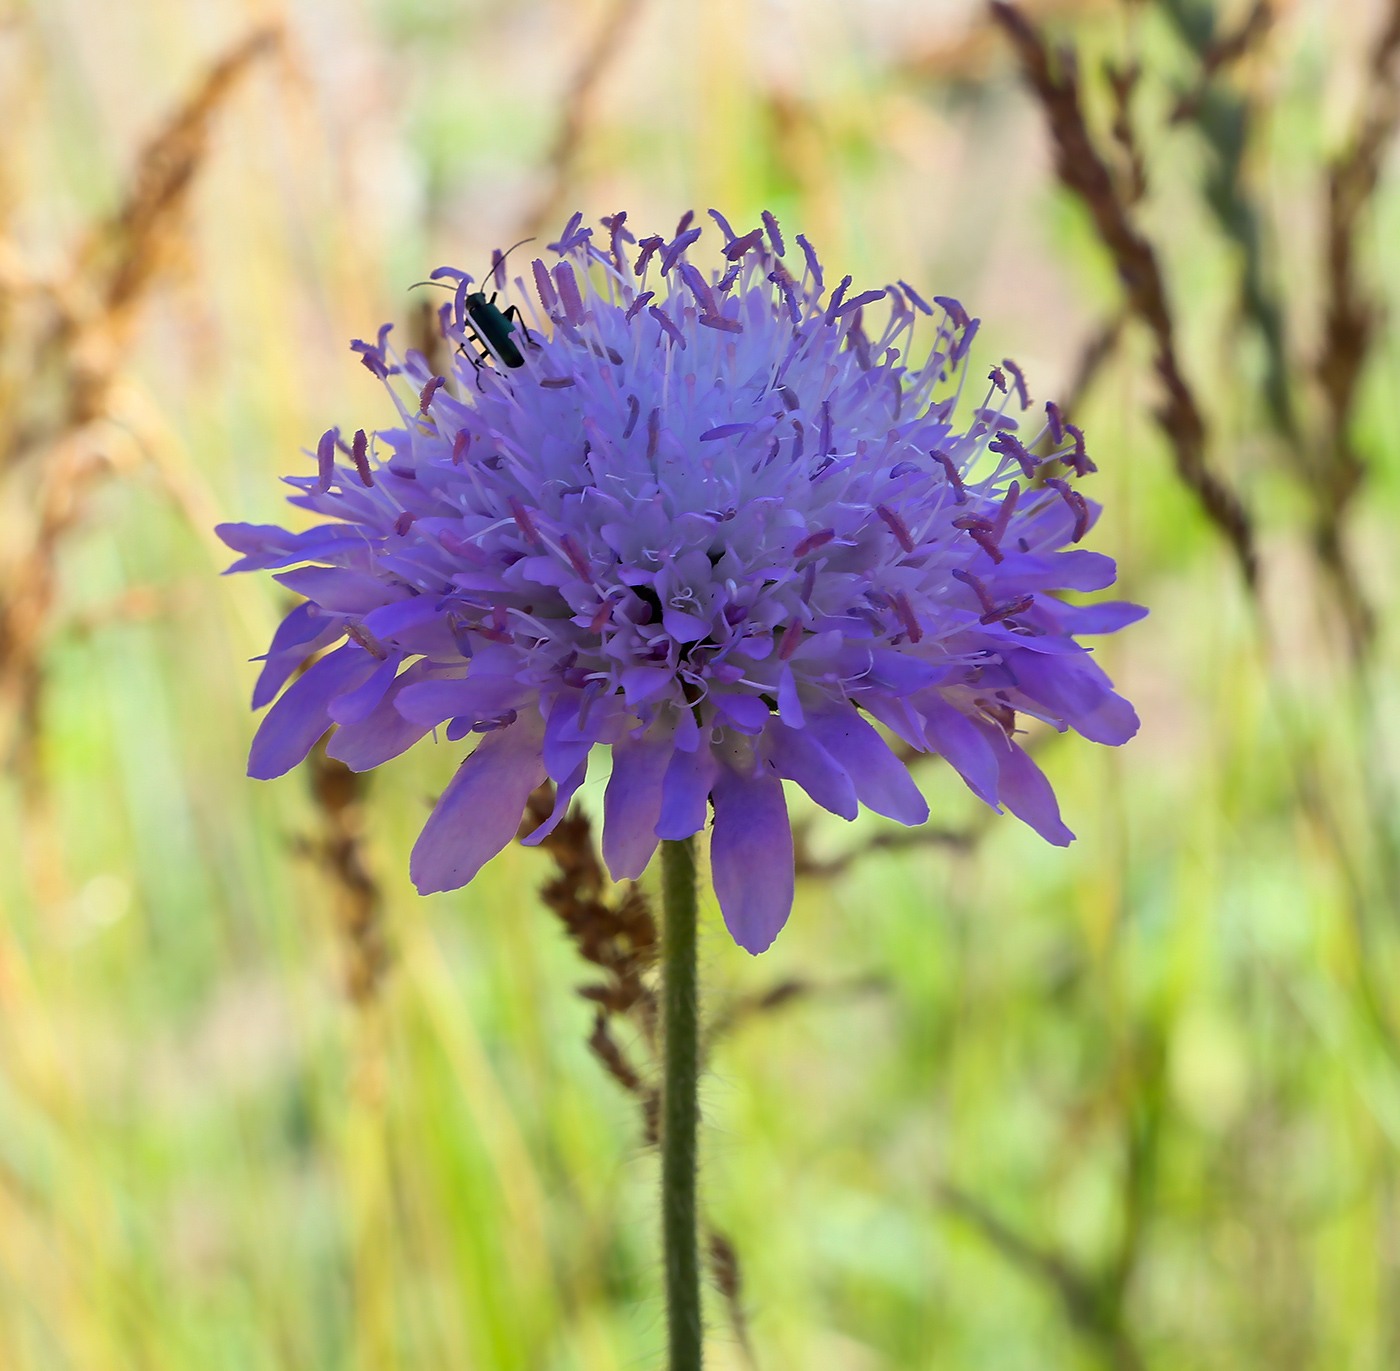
1084 172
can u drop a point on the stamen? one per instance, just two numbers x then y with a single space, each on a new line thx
907 617
954 475
915 298
360 458
601 616
1017 606
678 246
980 590
729 234
775 236
897 527
634 410
653 431
1080 461
360 634
981 530
548 298
824 439
813 266
325 459
1008 507
788 643
648 247
699 288
951 307
685 222
522 518
619 235
404 522
1077 503
638 303
460 444
837 296
572 301
1019 377
866 297
727 280
740 246
1009 445
812 541
961 346
564 243
577 559
785 284
425 396
557 382
666 323
998 378
1056 421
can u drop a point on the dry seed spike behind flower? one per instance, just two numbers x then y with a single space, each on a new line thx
1083 171
1350 319
619 938
77 356
339 795
116 267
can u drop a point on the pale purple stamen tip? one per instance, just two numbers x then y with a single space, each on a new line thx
775 236
714 526
325 459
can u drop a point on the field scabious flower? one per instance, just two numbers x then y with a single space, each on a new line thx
716 520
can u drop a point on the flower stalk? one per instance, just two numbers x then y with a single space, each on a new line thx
680 1008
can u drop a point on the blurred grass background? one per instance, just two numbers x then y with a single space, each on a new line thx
1133 1105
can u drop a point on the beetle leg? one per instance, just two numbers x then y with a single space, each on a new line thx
514 313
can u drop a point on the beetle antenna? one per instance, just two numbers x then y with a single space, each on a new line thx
496 262
446 285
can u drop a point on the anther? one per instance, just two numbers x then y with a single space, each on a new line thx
982 532
1019 378
425 396
897 527
907 617
360 458
1080 461
812 541
527 527
325 459
1079 506
1009 445
549 298
648 247
740 246
667 324
634 409
954 475
775 236
360 634
576 557
677 246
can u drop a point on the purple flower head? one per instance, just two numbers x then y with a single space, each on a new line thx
713 520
